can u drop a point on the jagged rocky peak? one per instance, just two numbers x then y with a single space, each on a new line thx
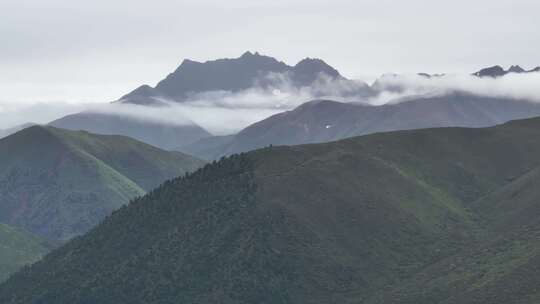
516 69
309 70
140 95
249 54
498 71
314 62
315 65
494 71
228 74
144 90
188 62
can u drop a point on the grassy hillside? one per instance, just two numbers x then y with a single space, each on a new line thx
19 248
58 183
429 216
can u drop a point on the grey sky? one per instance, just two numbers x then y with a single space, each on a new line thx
82 51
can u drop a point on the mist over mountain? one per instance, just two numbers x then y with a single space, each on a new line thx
269 152
58 183
251 70
225 96
350 219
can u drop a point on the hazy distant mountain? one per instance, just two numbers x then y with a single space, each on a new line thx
209 147
9 131
160 134
427 75
430 216
324 121
398 83
58 183
19 248
494 71
233 75
498 71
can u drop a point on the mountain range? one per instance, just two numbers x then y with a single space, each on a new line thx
324 120
498 71
309 123
335 202
58 184
232 75
430 216
251 70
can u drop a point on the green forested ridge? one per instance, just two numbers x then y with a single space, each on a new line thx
58 183
429 216
18 248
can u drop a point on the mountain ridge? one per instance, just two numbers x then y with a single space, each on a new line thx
229 74
325 120
498 71
363 220
77 178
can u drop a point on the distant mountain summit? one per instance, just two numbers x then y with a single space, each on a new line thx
308 70
494 71
498 71
237 74
516 69
253 70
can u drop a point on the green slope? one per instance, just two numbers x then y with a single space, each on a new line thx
58 183
18 248
429 216
502 268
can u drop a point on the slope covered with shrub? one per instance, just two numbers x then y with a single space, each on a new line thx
18 249
58 183
426 216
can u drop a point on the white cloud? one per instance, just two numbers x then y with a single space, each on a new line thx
516 86
223 112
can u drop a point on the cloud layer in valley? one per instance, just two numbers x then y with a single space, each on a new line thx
223 112
396 88
220 112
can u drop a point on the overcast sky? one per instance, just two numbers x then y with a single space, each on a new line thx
95 51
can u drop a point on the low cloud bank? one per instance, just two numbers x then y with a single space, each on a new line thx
219 112
395 88
223 112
